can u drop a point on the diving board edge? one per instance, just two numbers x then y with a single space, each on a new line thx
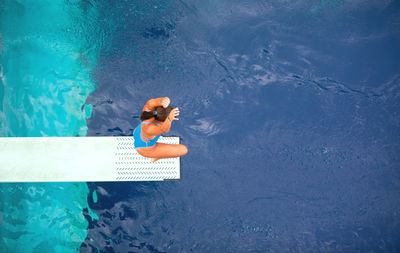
179 159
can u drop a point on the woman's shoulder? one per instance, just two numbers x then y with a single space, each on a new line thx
151 122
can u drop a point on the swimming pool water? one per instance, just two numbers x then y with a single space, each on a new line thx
290 111
47 53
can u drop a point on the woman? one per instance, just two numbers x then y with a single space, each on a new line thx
157 117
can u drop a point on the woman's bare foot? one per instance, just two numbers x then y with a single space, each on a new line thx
154 160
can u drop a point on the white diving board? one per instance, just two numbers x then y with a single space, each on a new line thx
81 159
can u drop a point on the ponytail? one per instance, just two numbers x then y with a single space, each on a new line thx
160 114
147 115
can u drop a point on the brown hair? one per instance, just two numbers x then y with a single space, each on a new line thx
161 115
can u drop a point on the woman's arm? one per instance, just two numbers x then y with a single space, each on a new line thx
155 102
162 128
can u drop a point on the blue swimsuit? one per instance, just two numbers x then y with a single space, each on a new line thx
139 143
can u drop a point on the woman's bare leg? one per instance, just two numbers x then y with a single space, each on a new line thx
162 150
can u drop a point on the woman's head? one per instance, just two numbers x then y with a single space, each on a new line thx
159 114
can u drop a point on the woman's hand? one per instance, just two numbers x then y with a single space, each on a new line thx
165 102
174 114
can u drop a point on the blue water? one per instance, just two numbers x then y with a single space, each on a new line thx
290 111
48 52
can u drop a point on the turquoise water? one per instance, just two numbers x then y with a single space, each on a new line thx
48 51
